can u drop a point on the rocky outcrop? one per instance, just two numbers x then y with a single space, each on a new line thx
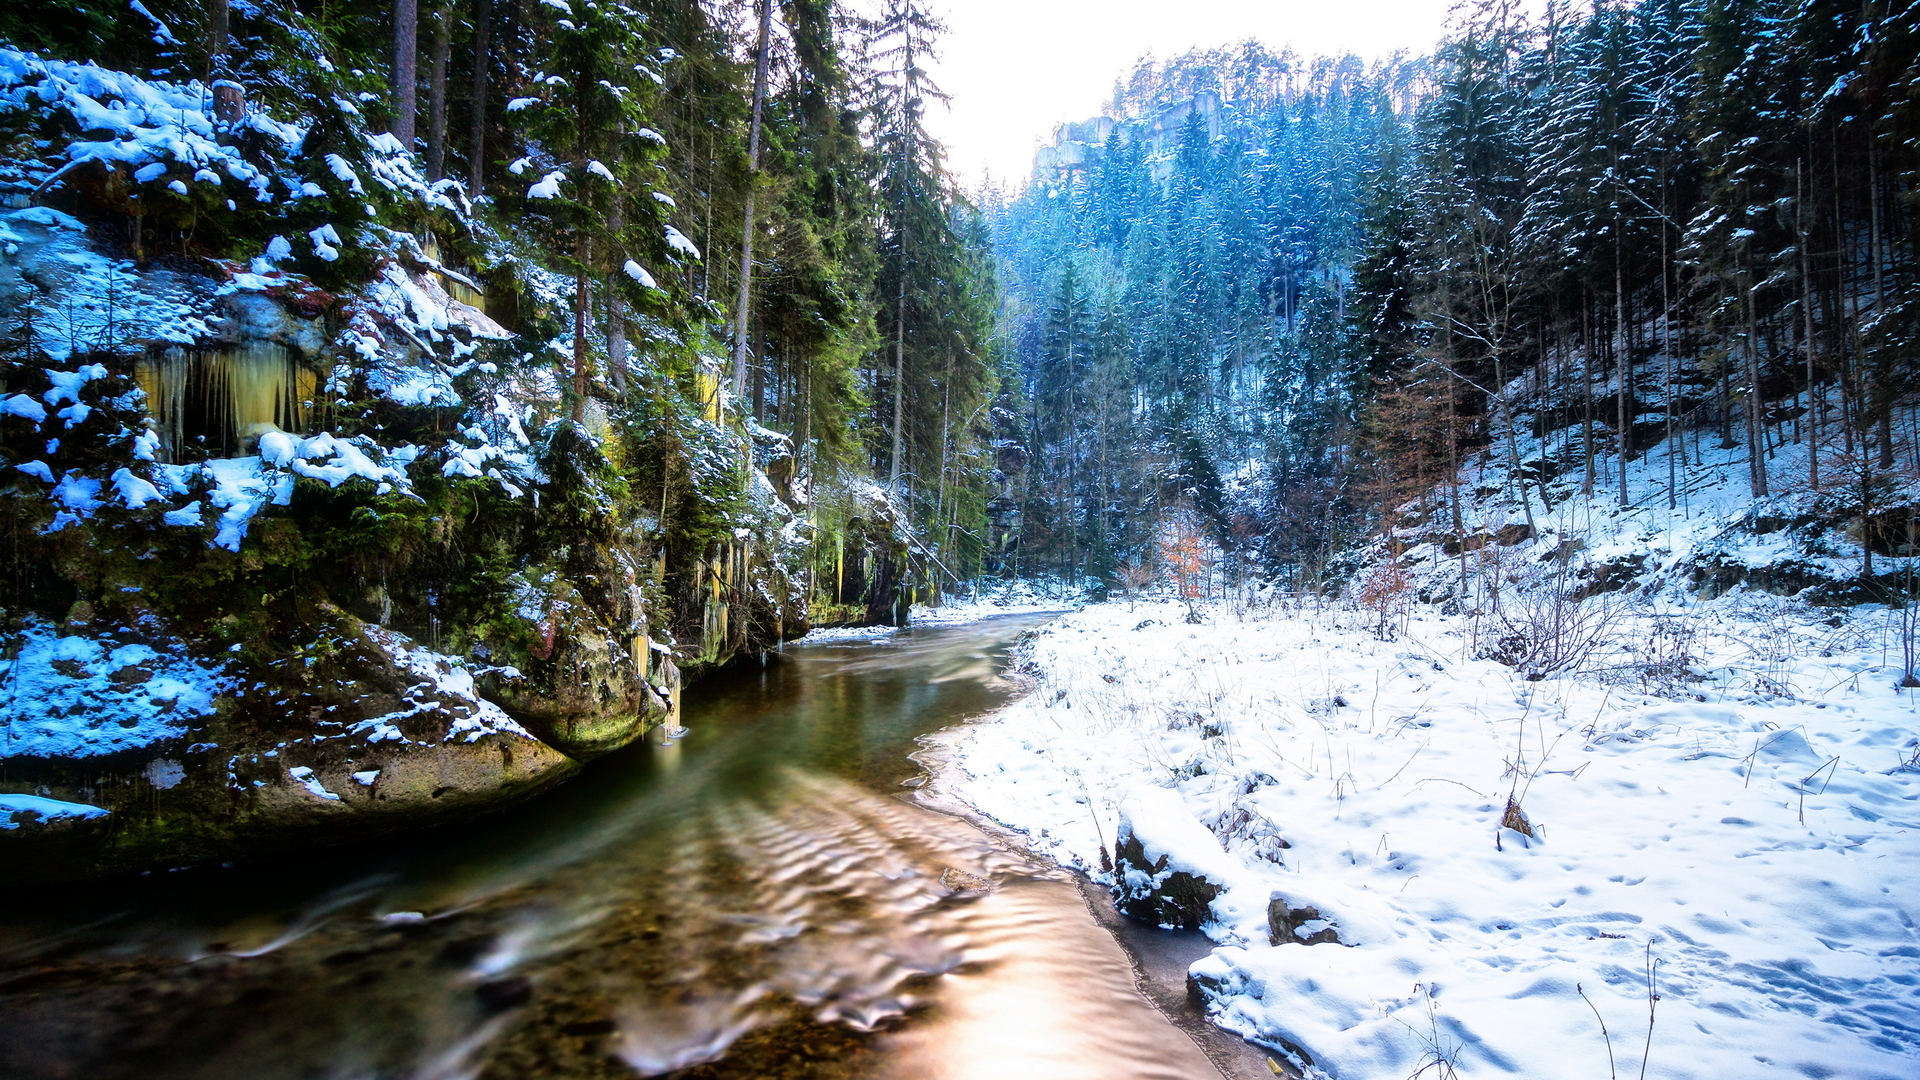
308 538
375 734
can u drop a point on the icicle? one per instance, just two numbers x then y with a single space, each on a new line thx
261 392
164 378
228 397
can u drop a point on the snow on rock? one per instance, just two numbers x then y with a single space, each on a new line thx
988 599
443 679
82 300
78 695
1748 833
16 810
303 775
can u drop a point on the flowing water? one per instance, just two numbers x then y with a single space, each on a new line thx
752 900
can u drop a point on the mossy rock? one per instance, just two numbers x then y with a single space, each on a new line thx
371 737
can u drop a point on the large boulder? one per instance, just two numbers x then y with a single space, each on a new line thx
128 747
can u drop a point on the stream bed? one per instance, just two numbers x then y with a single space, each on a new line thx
754 899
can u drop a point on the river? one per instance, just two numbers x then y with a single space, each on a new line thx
754 899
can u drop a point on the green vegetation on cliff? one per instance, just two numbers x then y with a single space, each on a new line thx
395 366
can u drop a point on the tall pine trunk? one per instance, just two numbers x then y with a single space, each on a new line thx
1623 351
482 63
582 306
743 304
437 91
216 35
1806 314
406 20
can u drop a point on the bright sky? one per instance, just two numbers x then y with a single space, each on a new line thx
1016 68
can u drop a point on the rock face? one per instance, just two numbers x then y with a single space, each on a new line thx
382 734
304 545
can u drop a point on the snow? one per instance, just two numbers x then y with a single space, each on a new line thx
67 384
678 241
1715 787
548 187
326 242
45 811
1747 834
81 695
187 516
991 598
835 634
447 677
243 486
303 775
121 119
83 301
24 407
639 273
135 491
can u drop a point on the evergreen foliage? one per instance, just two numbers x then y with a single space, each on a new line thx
1589 235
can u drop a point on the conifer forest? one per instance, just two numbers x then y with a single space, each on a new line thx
572 538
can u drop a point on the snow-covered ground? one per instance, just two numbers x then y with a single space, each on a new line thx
988 599
1727 811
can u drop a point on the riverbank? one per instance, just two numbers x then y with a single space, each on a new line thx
1503 859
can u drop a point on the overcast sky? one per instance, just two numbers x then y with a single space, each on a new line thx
1016 68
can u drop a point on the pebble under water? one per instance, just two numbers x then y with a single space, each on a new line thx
753 900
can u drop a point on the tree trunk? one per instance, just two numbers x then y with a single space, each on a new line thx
1586 393
899 371
1756 432
406 19
437 92
1676 444
1806 314
1883 390
582 303
1623 352
482 63
744 302
216 36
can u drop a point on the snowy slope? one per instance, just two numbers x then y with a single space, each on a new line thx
1752 839
1722 785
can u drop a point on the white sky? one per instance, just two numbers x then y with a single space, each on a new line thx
1016 68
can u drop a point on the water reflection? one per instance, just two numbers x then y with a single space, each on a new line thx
748 900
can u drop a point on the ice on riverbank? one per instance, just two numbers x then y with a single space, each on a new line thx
1737 819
